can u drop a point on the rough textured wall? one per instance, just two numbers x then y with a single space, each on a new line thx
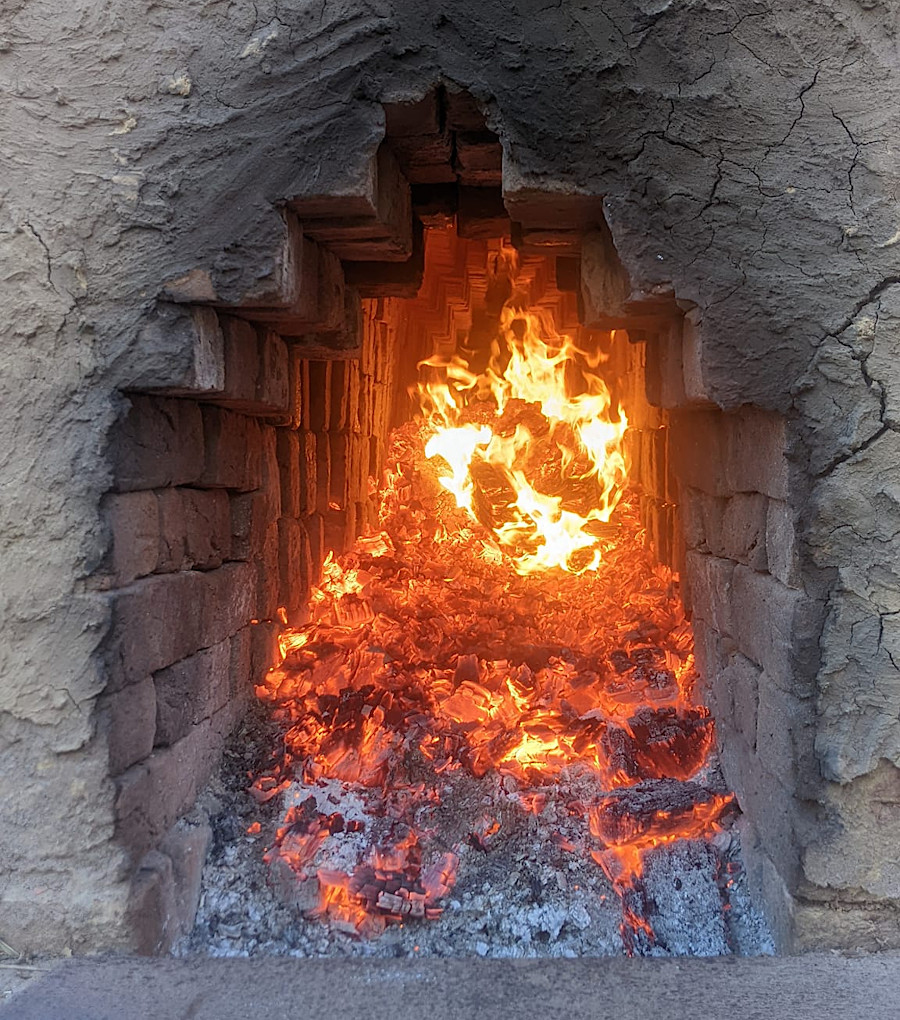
746 152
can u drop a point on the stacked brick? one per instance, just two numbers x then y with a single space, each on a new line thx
651 468
221 512
715 497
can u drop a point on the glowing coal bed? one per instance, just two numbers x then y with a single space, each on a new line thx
488 738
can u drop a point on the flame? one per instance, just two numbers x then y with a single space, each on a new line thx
507 618
537 375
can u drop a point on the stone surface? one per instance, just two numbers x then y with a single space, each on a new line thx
816 987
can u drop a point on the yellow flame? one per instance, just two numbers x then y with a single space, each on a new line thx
531 363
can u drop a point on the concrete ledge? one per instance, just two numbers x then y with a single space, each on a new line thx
815 987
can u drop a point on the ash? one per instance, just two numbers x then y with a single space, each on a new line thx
526 883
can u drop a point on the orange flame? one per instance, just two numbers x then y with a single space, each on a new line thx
507 618
545 408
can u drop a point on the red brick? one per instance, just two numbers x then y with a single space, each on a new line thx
172 554
251 514
154 794
308 471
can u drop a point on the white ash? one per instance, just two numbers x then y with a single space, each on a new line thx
522 895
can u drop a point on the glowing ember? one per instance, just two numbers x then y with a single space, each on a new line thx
507 620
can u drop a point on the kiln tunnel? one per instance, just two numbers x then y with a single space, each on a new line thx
234 494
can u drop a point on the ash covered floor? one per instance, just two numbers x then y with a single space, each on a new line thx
519 894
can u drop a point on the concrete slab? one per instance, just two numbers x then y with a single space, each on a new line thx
816 987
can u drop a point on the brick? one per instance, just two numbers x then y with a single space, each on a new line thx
315 529
241 362
207 519
264 653
691 502
710 580
293 566
133 519
785 735
479 159
743 529
756 461
186 844
374 223
481 214
340 453
323 471
698 446
605 285
190 691
419 117
152 795
390 279
273 386
162 619
257 375
711 648
271 470
308 471
317 396
132 724
268 580
277 288
233 446
537 207
782 555
240 665
334 524
339 400
764 625
152 910
696 387
251 515
462 112
306 309
182 352
735 700
172 548
159 443
288 452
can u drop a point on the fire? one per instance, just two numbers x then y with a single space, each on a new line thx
507 620
537 427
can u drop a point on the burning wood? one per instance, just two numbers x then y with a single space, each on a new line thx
499 622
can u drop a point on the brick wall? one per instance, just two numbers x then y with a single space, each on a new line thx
221 512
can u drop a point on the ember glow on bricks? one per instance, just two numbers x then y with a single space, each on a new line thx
507 618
